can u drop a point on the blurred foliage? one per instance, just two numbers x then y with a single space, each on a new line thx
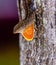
10 56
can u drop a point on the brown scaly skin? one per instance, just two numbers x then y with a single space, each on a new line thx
30 17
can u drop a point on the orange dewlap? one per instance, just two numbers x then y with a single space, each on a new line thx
28 33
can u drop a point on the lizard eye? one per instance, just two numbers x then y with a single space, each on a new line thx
28 32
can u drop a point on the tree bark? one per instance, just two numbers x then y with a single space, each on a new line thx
42 49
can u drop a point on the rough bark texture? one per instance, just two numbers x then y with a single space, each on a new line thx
42 49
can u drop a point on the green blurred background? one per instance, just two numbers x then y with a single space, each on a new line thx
9 46
9 53
9 42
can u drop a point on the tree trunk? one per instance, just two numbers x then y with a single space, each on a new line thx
42 49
